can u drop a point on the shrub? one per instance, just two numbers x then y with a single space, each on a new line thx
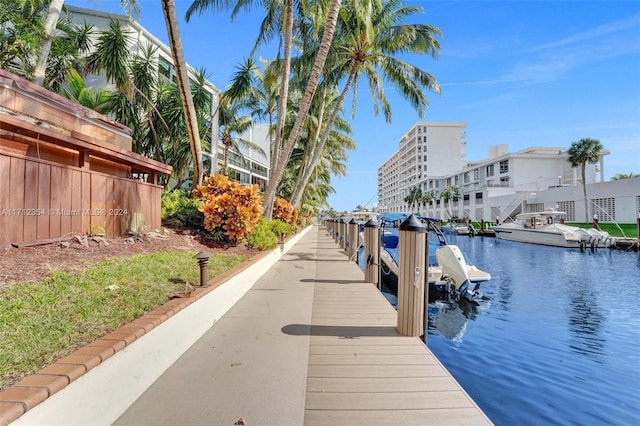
180 208
279 228
262 238
282 210
231 211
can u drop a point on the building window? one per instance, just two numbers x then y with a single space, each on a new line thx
478 195
475 174
166 70
536 207
490 170
456 179
425 158
467 177
504 166
605 208
569 207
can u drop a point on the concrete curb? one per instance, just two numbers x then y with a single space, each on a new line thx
117 381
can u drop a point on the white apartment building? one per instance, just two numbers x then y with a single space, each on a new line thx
506 184
244 166
427 149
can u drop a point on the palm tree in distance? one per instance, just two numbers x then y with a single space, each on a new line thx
621 176
413 197
450 192
428 197
232 124
586 150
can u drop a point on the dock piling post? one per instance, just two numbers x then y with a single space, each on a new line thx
371 251
352 240
412 274
342 226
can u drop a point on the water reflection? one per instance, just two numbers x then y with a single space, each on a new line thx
585 324
449 317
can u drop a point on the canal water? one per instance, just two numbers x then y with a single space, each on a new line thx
557 340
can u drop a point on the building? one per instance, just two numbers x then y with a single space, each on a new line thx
503 185
245 166
427 149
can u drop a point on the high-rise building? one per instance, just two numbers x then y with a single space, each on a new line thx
427 151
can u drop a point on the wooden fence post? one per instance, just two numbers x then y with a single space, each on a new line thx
412 273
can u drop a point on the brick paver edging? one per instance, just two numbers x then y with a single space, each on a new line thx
36 388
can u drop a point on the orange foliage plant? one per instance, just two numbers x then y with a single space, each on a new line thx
284 211
231 211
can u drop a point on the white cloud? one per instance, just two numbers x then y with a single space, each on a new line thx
599 31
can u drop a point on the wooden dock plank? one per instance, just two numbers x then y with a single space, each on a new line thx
366 349
367 359
386 401
380 384
387 371
449 416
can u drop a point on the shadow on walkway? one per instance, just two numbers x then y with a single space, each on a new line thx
346 332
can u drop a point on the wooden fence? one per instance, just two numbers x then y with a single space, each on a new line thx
42 200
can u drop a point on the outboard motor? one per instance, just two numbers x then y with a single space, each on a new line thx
454 266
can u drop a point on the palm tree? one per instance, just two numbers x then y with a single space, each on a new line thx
414 196
282 157
50 22
75 88
282 13
621 176
175 43
428 197
21 28
586 150
449 193
366 43
232 124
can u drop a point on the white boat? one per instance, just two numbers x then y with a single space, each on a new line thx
448 268
548 228
456 229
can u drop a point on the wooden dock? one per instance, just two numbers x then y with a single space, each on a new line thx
310 343
361 371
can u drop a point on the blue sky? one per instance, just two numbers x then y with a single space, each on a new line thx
521 73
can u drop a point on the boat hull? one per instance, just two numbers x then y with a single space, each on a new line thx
536 237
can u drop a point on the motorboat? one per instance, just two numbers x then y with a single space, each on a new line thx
457 229
448 268
548 228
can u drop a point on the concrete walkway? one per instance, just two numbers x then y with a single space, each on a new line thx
310 343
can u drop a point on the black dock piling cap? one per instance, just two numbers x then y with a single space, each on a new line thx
371 223
352 221
412 223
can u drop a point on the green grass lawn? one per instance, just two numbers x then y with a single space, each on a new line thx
42 322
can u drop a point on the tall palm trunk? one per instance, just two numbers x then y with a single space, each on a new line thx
312 84
169 11
295 200
53 13
276 149
584 191
307 164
